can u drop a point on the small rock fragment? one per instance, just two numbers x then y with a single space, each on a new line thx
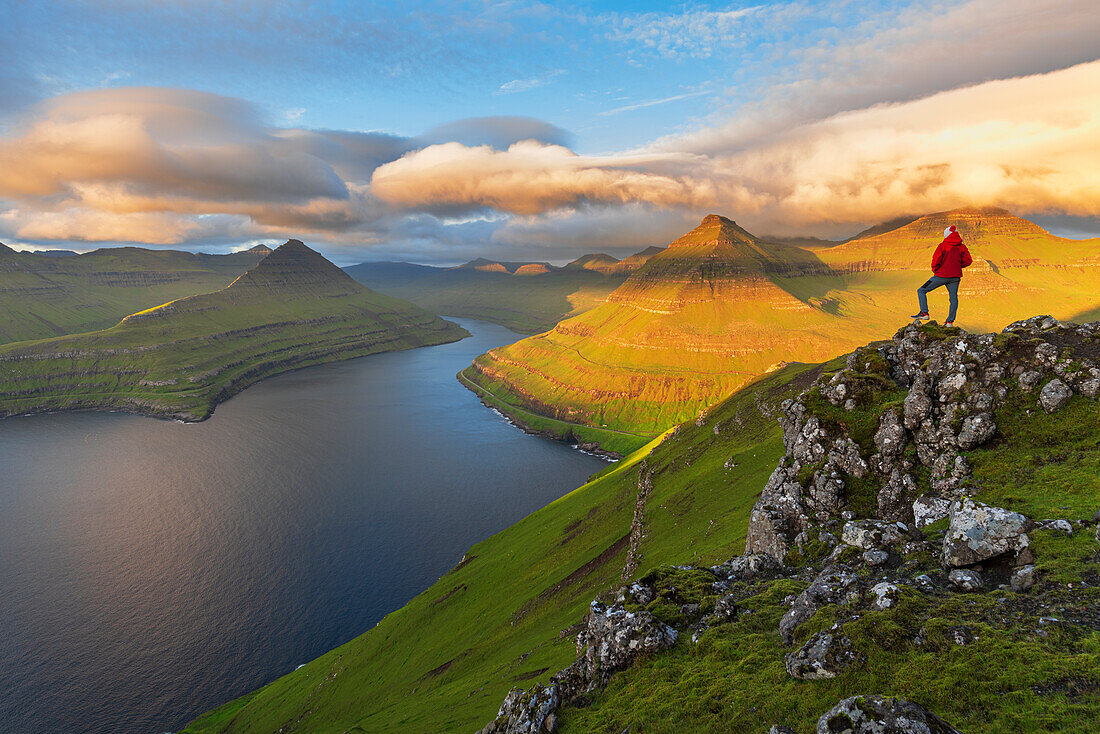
965 579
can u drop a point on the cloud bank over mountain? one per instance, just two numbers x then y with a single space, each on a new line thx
970 104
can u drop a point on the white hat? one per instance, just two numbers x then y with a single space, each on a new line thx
947 232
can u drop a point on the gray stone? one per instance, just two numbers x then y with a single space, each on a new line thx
918 403
890 438
614 637
875 557
834 585
776 729
527 712
879 715
976 430
824 655
1090 388
965 580
749 567
1060 526
979 532
886 595
871 534
1023 578
927 510
1029 380
1054 395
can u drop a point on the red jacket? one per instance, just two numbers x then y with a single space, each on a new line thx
951 257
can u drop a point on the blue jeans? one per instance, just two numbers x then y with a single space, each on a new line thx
935 282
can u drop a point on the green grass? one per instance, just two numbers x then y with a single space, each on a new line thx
507 615
42 297
184 358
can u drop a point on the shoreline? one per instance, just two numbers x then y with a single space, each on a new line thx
239 384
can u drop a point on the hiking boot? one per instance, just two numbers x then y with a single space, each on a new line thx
948 324
922 316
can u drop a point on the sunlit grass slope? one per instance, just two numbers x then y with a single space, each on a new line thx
1012 677
505 615
44 296
720 306
525 297
180 359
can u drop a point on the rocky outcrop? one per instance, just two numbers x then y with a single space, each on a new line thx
950 384
879 715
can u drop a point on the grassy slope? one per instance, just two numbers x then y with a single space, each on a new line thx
528 304
444 661
293 310
49 296
1011 679
679 335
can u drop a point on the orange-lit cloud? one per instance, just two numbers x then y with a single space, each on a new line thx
1031 144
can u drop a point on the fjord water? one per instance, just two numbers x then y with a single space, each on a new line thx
151 570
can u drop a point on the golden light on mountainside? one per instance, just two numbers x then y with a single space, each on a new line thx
720 306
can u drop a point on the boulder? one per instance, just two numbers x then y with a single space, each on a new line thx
871 534
834 585
1029 380
976 430
979 532
879 715
1023 578
875 557
927 510
824 655
965 579
1054 395
614 637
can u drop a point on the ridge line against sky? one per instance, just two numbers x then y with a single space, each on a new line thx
437 132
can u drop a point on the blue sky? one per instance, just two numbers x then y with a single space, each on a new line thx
651 97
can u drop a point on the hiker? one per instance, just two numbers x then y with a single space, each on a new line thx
947 264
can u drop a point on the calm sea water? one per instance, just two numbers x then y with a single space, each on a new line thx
151 570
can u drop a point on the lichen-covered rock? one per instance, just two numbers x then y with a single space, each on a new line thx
1023 578
896 496
885 595
614 637
1054 395
927 510
890 438
966 580
527 712
979 532
749 567
1029 380
875 557
879 715
824 655
872 534
976 430
836 584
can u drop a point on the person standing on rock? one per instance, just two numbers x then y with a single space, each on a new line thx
947 264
